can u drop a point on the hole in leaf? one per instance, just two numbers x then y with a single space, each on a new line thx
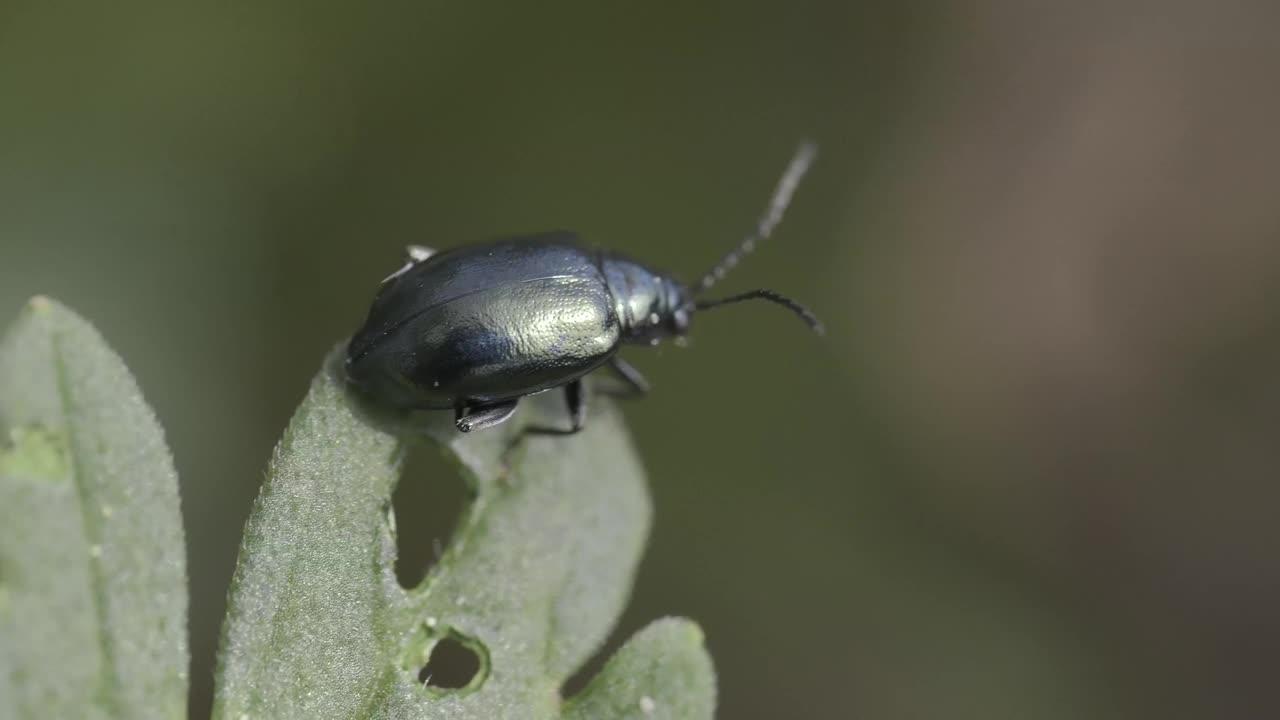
428 502
453 665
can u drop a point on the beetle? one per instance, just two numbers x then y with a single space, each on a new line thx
475 328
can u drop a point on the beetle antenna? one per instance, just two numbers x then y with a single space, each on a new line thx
799 165
803 312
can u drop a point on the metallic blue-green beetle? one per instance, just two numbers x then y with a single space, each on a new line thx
476 328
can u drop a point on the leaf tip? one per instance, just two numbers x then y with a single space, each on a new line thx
42 311
663 671
684 630
40 303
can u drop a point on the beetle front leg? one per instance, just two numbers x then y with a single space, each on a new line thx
638 386
575 398
468 419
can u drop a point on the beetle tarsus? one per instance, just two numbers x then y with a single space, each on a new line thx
417 253
468 419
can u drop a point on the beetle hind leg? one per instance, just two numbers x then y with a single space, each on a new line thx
468 419
413 254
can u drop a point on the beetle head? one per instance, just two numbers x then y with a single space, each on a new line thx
679 306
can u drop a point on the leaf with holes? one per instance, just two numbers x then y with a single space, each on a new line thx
530 586
93 599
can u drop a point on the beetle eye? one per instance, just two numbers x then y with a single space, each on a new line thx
681 319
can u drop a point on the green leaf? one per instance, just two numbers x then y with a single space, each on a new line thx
532 582
662 673
93 600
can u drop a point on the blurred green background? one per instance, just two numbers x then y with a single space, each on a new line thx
1029 473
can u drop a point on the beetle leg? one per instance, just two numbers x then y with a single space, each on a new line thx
478 418
575 398
406 268
630 375
413 254
577 402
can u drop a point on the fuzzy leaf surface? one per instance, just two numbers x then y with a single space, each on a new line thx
533 580
93 586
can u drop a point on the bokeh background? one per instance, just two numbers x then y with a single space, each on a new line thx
1030 473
